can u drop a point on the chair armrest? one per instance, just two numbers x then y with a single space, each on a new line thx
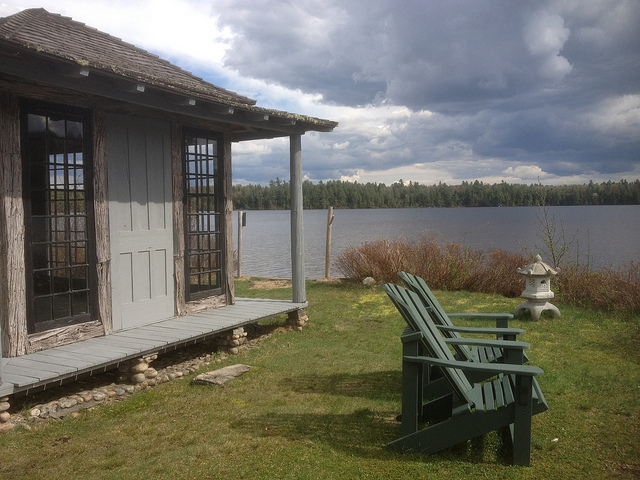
495 368
488 330
481 342
482 316
502 319
410 336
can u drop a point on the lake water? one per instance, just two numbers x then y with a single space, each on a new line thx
610 235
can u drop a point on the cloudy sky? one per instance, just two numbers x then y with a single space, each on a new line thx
424 90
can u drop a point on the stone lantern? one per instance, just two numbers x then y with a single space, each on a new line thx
538 289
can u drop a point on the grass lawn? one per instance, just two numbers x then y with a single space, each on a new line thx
321 403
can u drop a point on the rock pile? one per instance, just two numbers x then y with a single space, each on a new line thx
4 406
234 341
297 319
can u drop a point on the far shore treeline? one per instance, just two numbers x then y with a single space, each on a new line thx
340 194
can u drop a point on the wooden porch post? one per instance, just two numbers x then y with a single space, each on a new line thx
297 228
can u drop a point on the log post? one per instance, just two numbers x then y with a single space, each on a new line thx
297 228
13 320
230 295
178 219
101 214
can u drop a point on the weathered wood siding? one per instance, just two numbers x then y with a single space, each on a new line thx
56 337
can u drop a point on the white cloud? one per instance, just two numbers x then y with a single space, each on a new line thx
525 173
178 28
252 148
545 36
341 146
617 117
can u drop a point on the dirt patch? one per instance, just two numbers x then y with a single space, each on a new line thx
270 284
332 280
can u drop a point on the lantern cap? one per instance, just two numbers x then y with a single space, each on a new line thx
538 269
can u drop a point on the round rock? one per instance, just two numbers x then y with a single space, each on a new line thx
139 367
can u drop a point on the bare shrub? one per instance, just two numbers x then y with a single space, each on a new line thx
500 273
604 289
449 266
381 260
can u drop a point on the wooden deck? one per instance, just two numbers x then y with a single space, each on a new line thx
53 366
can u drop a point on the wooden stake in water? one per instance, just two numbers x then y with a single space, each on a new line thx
327 263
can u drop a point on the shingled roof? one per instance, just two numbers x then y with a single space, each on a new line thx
63 37
46 35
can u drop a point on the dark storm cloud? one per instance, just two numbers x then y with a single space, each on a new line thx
415 53
555 84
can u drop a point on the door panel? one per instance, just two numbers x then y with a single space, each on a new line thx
140 209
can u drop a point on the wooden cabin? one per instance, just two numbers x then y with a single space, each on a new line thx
115 202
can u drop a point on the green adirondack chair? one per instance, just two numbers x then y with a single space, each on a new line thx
506 402
433 384
479 353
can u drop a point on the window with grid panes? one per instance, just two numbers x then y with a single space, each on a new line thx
59 224
203 214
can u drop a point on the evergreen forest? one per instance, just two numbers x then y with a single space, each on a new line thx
340 194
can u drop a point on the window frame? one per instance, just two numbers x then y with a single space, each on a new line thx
30 107
218 197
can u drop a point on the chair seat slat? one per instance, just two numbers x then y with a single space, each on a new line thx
489 400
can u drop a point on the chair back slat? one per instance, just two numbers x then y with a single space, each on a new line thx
439 316
415 314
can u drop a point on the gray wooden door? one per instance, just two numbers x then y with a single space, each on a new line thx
140 221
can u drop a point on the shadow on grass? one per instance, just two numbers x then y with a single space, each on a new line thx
365 433
384 385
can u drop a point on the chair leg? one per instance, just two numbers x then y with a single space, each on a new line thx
522 421
513 356
412 374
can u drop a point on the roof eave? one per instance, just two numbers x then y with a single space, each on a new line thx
255 122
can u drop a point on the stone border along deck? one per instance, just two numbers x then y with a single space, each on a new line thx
60 401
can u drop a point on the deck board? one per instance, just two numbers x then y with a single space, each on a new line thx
71 360
186 327
97 354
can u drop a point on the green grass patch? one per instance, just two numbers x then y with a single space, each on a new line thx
321 403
